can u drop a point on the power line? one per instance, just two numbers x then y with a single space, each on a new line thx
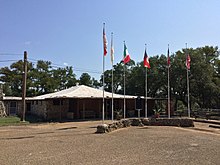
74 68
8 60
11 54
54 65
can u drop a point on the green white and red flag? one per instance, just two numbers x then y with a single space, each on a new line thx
126 55
146 60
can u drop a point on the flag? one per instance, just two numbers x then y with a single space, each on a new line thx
146 60
188 60
168 58
105 43
112 50
126 55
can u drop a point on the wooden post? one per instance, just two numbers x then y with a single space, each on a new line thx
24 87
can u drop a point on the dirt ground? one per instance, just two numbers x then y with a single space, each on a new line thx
76 143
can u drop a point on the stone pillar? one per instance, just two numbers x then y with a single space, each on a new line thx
2 106
1 92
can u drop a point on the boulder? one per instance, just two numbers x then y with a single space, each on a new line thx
145 121
102 128
126 122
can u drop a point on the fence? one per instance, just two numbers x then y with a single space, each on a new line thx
212 114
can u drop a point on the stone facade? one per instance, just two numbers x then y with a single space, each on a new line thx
38 108
2 106
80 108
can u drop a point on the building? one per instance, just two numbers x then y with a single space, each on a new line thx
77 102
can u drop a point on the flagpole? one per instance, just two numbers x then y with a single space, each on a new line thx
103 79
112 77
146 90
187 77
168 82
124 92
124 89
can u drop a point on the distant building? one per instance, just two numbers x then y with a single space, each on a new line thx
77 102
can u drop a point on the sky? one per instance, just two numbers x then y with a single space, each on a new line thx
69 32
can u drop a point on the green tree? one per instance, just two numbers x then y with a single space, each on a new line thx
203 87
12 78
44 80
85 79
118 77
95 83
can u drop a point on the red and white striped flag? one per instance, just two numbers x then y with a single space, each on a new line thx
112 50
188 60
105 43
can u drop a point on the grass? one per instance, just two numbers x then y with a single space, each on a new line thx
11 120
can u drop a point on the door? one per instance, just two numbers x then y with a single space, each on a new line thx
12 108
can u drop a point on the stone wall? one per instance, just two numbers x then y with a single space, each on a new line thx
178 122
2 106
38 108
57 112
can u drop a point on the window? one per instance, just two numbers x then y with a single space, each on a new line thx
13 108
13 104
57 102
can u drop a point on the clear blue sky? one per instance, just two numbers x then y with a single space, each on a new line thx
70 31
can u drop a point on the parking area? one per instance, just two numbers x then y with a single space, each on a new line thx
77 143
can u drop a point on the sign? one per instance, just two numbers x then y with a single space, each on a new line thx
138 103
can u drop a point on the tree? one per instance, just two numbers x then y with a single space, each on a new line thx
95 83
71 77
85 79
203 87
204 77
118 76
12 78
41 79
44 80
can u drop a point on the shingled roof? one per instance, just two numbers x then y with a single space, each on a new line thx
80 91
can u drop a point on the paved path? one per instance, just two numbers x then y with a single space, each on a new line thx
76 143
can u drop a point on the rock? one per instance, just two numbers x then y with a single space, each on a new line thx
136 122
103 128
112 127
126 122
145 121
119 124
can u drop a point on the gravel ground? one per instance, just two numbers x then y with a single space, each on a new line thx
76 143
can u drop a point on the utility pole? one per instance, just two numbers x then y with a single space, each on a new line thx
24 86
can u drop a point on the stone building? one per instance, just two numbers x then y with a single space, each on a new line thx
77 102
83 102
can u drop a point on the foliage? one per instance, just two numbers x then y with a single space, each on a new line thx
204 78
41 79
85 79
